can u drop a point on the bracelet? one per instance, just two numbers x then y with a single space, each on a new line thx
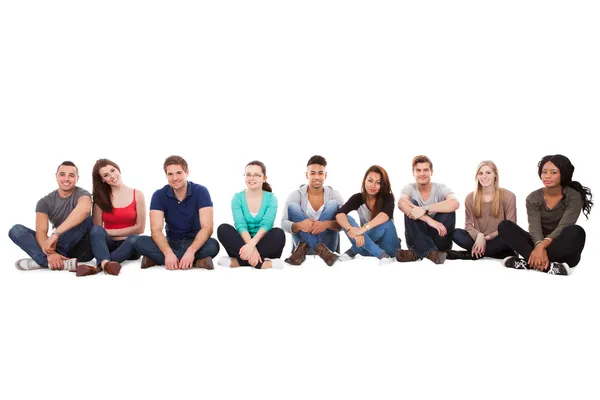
57 233
548 239
367 226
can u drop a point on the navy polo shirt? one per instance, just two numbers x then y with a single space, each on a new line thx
182 219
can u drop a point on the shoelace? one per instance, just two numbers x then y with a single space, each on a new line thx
520 264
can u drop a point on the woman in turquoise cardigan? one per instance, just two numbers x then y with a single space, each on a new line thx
253 242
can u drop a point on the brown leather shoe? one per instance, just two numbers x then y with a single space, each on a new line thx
205 263
147 262
437 257
327 255
299 254
85 270
405 255
112 268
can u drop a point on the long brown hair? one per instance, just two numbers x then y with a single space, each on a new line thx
384 191
101 190
478 193
265 186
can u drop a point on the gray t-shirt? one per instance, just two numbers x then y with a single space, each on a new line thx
57 208
438 194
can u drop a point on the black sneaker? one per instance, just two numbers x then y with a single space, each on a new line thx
557 268
515 262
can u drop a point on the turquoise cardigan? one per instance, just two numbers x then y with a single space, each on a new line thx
245 222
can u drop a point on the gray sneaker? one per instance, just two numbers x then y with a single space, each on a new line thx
27 264
70 265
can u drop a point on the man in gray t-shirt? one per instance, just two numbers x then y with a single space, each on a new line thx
68 210
429 215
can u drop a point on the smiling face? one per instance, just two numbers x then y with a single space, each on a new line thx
176 176
110 175
486 176
550 175
254 177
66 177
422 173
316 175
373 183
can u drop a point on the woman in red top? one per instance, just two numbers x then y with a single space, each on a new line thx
119 215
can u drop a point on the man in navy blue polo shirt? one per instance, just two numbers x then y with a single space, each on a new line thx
187 209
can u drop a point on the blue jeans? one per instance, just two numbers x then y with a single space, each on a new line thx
329 238
74 243
106 248
422 239
146 247
382 238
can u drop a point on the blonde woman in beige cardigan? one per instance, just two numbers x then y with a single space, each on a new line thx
485 208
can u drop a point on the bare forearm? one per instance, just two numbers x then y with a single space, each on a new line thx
381 218
259 235
342 220
200 239
41 238
74 219
162 243
333 226
130 230
405 206
446 206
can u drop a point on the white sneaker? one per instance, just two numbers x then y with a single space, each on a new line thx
70 264
27 264
276 263
224 261
386 260
345 257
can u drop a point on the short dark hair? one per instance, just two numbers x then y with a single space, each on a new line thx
422 159
175 160
317 160
68 164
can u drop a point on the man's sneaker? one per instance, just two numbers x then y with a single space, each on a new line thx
27 264
147 262
85 270
298 255
224 261
438 257
515 262
276 263
557 268
112 268
205 263
386 259
405 255
327 255
347 256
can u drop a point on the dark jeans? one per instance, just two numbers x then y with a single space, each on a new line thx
422 239
74 243
494 248
380 239
145 246
329 238
566 247
270 246
106 248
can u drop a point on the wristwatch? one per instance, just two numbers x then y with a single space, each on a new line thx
367 226
426 208
55 232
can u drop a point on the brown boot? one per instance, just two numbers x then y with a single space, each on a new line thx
299 255
405 255
85 270
327 255
147 262
205 263
437 257
112 268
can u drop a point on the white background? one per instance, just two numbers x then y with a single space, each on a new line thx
361 83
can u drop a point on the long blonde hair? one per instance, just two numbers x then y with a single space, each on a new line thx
478 193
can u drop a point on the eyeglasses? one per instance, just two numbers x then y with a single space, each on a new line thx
257 176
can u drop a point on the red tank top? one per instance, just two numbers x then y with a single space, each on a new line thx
119 218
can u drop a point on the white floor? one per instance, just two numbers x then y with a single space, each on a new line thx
463 329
